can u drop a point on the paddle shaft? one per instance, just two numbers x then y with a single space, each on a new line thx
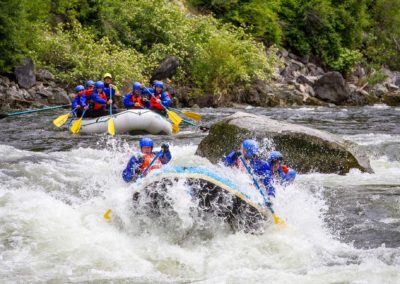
151 163
3 115
257 185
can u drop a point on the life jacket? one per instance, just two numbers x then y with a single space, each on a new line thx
154 104
147 160
88 94
137 99
100 106
285 169
240 165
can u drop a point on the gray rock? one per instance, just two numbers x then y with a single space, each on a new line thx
332 88
309 80
379 90
167 69
392 87
391 99
44 75
25 74
59 97
304 148
4 81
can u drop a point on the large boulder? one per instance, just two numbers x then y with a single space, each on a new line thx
304 148
167 69
332 88
25 74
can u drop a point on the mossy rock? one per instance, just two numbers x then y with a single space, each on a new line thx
304 148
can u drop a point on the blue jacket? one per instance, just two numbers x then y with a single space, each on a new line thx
107 91
260 169
96 98
132 171
78 101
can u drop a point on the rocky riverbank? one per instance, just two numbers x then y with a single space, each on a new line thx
298 82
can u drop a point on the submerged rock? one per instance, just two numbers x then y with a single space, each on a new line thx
304 148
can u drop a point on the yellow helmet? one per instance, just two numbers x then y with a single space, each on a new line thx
107 75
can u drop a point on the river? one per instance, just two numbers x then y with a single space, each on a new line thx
55 188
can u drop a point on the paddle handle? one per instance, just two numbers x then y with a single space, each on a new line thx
151 163
32 111
257 185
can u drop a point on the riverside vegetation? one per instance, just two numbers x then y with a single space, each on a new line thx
224 48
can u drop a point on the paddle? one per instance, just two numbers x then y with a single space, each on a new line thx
59 121
174 117
111 126
4 115
192 115
106 215
76 126
277 220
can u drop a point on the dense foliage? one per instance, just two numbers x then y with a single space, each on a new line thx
82 39
339 33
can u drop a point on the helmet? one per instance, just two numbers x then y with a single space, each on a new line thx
79 88
99 85
158 84
136 86
107 75
274 156
146 142
89 83
251 147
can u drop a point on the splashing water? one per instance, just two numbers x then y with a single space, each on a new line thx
341 229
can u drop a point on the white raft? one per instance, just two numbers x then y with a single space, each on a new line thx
129 121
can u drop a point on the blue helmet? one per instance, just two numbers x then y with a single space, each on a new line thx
79 88
146 142
158 84
89 83
99 85
251 147
136 86
274 156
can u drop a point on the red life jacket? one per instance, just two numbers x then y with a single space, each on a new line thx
99 106
285 169
147 160
154 104
88 94
137 99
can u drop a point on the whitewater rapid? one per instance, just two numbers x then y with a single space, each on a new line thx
52 229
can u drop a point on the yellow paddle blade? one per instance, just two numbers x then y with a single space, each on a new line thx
76 126
107 215
175 128
192 115
111 127
59 121
174 117
278 220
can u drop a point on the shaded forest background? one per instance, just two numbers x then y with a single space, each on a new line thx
219 43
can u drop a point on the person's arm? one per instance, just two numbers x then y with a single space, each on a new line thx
231 159
166 154
288 176
132 170
83 101
128 101
95 97
165 100
74 103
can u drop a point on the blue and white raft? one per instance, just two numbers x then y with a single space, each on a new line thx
211 194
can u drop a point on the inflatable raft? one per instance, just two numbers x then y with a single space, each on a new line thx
211 194
130 121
